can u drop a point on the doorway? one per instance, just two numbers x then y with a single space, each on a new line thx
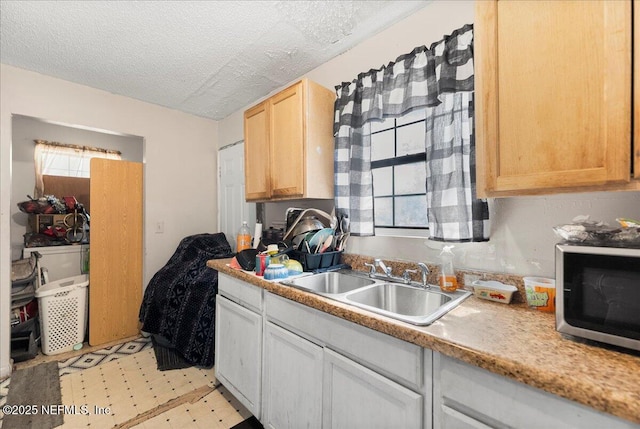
25 130
232 206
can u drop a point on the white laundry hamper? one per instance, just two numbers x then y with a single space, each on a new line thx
63 314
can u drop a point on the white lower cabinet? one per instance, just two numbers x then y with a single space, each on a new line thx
238 355
452 418
469 397
292 380
295 367
323 372
356 397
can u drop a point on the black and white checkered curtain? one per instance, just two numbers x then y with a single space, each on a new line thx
440 78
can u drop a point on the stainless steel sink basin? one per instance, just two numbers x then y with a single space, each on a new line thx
395 298
409 303
330 283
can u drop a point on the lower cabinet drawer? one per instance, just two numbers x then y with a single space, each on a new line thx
240 292
470 397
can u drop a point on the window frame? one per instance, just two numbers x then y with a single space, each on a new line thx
412 158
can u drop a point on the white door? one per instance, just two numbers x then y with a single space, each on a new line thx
232 207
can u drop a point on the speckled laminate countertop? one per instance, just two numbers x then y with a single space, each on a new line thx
508 340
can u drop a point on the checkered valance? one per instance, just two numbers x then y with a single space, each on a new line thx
426 77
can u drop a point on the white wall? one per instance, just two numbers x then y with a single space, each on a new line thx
522 240
179 164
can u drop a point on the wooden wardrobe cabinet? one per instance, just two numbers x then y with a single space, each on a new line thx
554 96
289 144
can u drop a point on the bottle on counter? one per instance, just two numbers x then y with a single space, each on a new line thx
447 279
243 239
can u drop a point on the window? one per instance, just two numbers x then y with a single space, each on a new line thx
59 159
68 165
423 78
398 166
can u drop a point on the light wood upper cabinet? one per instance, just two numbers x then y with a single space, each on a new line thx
256 157
289 144
636 86
553 96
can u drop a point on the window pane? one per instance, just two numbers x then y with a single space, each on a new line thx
382 146
57 172
383 211
384 125
411 139
75 165
57 164
85 168
410 178
382 183
415 115
411 211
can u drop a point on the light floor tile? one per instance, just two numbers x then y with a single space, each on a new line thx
130 385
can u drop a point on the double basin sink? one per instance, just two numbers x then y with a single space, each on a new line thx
408 303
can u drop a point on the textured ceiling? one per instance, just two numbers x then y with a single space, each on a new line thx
208 58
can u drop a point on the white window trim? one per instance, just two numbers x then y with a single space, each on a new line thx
402 232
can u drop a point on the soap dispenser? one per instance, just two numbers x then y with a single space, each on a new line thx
447 279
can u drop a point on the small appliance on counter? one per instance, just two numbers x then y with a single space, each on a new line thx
598 293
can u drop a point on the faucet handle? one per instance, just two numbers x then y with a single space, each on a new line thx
385 269
372 268
406 276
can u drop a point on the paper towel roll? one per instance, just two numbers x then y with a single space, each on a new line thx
257 235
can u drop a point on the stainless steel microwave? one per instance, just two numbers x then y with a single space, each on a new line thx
598 294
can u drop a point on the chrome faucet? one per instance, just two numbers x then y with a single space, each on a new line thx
373 272
387 273
425 273
386 270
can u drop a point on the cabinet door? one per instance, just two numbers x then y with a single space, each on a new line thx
256 152
292 394
238 352
115 278
450 418
554 95
356 397
287 143
636 88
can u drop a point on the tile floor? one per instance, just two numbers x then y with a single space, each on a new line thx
112 386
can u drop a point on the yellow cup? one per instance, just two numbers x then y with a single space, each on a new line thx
282 259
